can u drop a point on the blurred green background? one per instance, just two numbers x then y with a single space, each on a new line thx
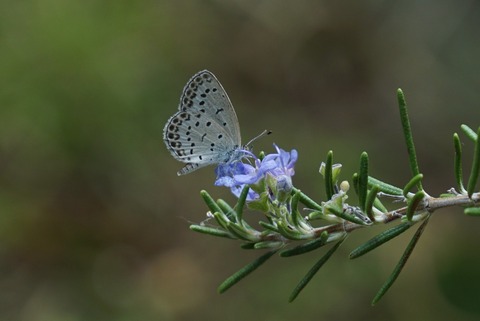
93 218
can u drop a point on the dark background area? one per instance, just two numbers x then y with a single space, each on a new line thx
93 218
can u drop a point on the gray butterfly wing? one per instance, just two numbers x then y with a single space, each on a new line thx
205 130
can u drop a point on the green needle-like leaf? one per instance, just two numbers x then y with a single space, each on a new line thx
268 245
384 187
227 209
222 219
241 202
212 205
413 182
268 226
296 198
287 231
458 163
242 233
329 175
248 246
311 273
413 204
211 231
296 217
378 204
356 182
261 155
307 201
470 133
401 263
232 214
380 239
472 180
371 197
407 131
363 181
246 270
306 247
473 211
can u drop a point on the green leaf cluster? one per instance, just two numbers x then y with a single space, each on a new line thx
295 224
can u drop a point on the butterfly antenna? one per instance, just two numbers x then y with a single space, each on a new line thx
262 134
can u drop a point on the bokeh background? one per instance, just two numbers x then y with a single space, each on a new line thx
93 218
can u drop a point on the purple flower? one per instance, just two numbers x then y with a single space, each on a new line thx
228 173
285 162
279 166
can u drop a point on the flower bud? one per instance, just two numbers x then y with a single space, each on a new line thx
281 186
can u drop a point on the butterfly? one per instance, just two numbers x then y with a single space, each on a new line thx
205 130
